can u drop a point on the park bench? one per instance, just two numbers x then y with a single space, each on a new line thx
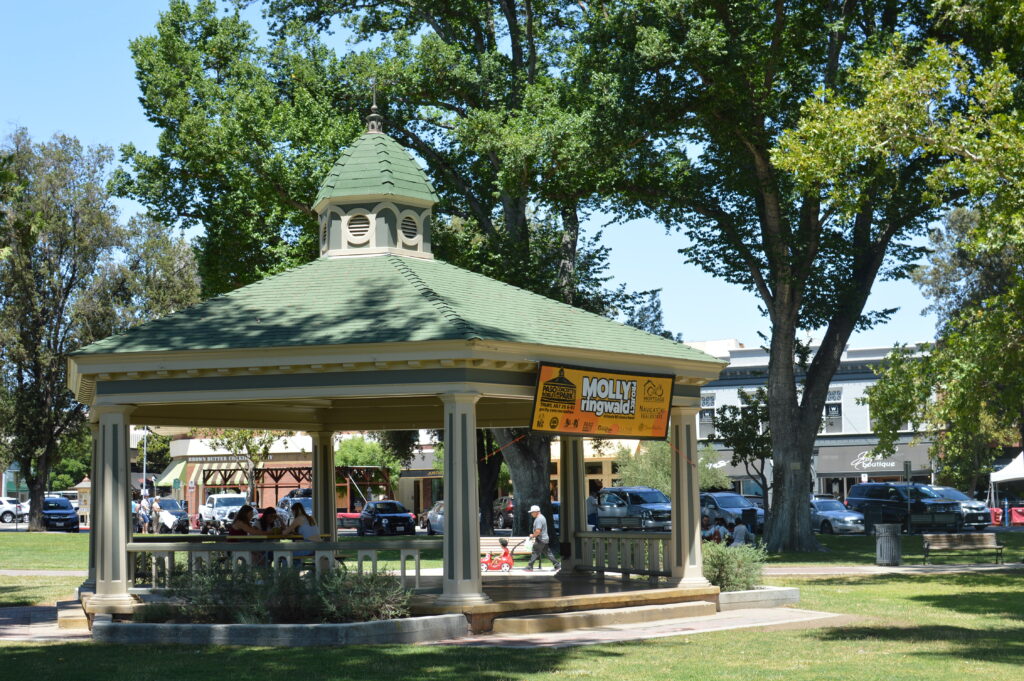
492 545
961 543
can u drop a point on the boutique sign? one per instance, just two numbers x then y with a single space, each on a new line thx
598 403
864 461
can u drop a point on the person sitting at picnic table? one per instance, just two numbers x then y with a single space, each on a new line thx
741 535
302 524
270 521
242 524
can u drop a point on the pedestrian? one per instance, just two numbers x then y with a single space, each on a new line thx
592 510
540 539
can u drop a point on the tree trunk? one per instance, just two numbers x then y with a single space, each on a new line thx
36 493
529 463
488 467
792 444
570 245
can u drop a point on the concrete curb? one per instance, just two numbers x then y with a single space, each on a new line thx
761 597
411 630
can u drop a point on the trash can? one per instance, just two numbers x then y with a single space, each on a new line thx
887 544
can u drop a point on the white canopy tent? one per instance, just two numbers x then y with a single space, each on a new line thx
1012 471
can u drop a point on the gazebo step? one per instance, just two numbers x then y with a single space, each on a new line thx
585 619
70 615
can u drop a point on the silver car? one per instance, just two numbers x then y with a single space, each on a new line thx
973 513
829 516
435 519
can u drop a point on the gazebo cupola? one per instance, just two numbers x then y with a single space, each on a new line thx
375 200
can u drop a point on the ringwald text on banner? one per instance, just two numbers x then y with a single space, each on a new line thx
579 401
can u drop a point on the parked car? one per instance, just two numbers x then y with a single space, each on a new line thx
729 506
59 514
504 507
216 514
973 514
10 509
386 517
890 502
635 508
172 517
435 519
755 499
829 516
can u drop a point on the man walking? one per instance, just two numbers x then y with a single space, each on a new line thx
540 539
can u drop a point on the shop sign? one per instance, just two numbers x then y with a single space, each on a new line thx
865 461
594 402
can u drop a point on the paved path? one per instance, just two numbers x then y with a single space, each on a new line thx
36 624
44 573
761 618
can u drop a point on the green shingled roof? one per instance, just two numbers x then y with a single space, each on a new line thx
383 299
376 164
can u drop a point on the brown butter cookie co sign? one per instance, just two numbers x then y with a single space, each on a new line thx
598 403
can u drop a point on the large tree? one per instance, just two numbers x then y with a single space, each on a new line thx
478 90
63 272
793 144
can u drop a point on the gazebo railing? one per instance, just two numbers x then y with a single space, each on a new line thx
625 553
154 562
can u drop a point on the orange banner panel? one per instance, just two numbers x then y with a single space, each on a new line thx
598 403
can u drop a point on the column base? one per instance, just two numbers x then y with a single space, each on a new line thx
113 604
688 582
462 599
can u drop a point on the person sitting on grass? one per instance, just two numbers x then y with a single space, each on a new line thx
741 535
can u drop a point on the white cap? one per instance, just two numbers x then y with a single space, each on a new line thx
535 509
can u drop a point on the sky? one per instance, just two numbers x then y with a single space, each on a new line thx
65 67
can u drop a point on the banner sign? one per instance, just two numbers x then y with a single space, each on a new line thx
597 403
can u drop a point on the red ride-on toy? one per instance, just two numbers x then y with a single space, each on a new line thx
494 562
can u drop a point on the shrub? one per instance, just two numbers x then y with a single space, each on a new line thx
156 612
733 568
260 595
346 597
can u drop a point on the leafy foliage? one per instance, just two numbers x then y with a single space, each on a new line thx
71 275
252 446
651 466
260 595
746 430
733 568
358 451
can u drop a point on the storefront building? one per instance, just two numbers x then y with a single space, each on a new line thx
843 450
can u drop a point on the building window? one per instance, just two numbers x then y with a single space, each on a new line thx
707 401
706 423
593 468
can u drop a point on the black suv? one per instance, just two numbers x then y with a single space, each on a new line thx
887 502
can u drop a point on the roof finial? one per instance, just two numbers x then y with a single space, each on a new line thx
374 122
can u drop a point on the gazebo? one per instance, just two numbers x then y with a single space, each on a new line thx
374 335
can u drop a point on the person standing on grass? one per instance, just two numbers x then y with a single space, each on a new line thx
540 539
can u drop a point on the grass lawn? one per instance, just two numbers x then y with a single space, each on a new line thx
930 627
36 590
44 551
860 550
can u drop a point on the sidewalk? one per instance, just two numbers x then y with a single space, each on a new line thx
36 624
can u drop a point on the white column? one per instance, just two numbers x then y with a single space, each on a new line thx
572 493
685 558
90 581
112 500
462 582
324 485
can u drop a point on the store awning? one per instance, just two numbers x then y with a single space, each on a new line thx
174 471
